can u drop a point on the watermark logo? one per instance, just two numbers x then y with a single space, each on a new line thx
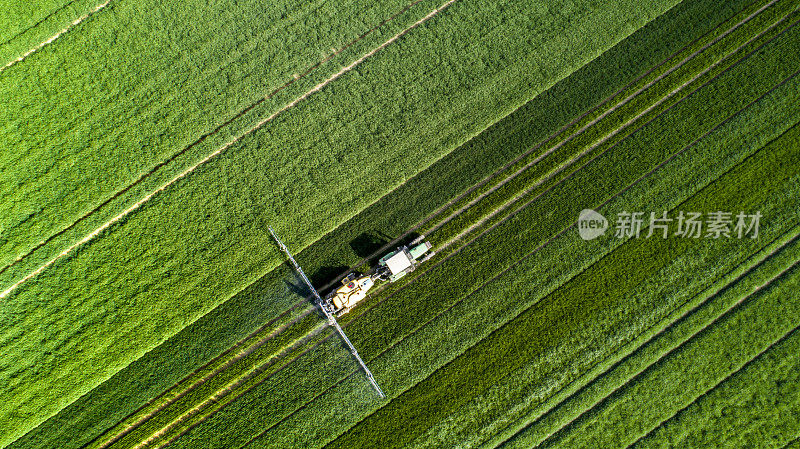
694 225
591 224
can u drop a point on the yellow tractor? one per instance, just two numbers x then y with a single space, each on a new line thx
391 267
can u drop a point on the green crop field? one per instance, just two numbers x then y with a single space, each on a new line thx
610 189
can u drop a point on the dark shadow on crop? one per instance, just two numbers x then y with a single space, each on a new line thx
327 274
368 242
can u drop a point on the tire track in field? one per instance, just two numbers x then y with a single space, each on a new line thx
610 110
524 257
56 36
654 337
244 352
615 131
227 389
191 375
211 133
713 287
44 19
745 365
525 205
791 442
231 142
718 384
486 179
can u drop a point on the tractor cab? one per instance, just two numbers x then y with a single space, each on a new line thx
403 260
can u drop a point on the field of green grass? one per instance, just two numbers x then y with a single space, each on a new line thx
147 148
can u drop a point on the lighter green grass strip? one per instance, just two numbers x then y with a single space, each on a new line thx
189 384
192 168
218 395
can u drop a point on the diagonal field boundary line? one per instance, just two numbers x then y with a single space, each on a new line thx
57 35
112 436
714 287
675 348
538 248
221 393
793 442
208 134
192 168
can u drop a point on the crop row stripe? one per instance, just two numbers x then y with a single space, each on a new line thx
722 381
192 168
611 134
793 234
673 349
226 390
57 35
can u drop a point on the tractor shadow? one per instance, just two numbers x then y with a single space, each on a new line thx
368 245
